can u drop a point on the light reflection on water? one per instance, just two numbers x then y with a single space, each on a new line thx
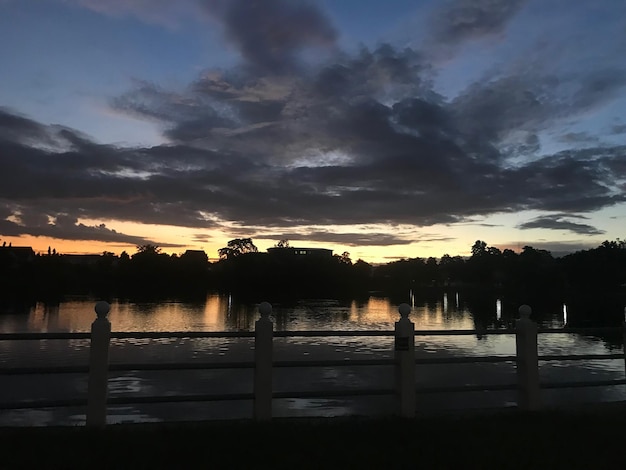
225 313
222 313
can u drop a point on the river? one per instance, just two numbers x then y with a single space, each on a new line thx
225 313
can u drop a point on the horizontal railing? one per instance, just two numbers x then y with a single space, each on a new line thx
293 334
404 361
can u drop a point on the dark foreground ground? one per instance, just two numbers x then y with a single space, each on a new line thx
586 437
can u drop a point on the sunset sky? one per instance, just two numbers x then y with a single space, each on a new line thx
387 129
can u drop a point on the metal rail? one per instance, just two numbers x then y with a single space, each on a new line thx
122 400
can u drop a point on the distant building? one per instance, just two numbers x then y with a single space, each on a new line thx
295 251
15 256
195 256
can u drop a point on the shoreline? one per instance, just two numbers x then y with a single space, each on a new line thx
573 437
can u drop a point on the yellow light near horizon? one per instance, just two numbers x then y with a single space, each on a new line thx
499 230
41 244
184 241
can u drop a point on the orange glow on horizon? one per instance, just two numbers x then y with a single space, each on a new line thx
84 247
370 254
433 241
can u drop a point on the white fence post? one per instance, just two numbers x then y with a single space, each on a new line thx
404 355
263 352
624 338
98 367
527 361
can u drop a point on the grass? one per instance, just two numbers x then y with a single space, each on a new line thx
587 437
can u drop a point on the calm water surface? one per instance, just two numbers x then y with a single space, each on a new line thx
225 313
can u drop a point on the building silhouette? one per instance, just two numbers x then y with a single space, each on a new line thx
301 252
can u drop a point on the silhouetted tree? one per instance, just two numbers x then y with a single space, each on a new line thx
431 271
148 249
481 264
479 248
237 247
451 269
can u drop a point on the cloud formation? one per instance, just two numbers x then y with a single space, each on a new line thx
269 33
362 139
62 226
460 20
562 222
159 12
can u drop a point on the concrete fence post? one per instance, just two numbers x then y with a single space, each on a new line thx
404 355
527 361
98 367
263 357
624 339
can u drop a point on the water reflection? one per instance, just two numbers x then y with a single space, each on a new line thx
227 313
448 310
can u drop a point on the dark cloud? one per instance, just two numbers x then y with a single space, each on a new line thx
201 238
487 112
349 239
598 86
502 116
570 181
19 129
561 222
460 20
579 137
362 139
618 129
64 226
183 117
160 12
480 224
269 34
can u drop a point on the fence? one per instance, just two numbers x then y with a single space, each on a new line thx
404 362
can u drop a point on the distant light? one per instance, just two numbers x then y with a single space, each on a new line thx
498 309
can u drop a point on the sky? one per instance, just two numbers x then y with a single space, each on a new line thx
389 130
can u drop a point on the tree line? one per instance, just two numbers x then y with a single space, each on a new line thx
244 270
